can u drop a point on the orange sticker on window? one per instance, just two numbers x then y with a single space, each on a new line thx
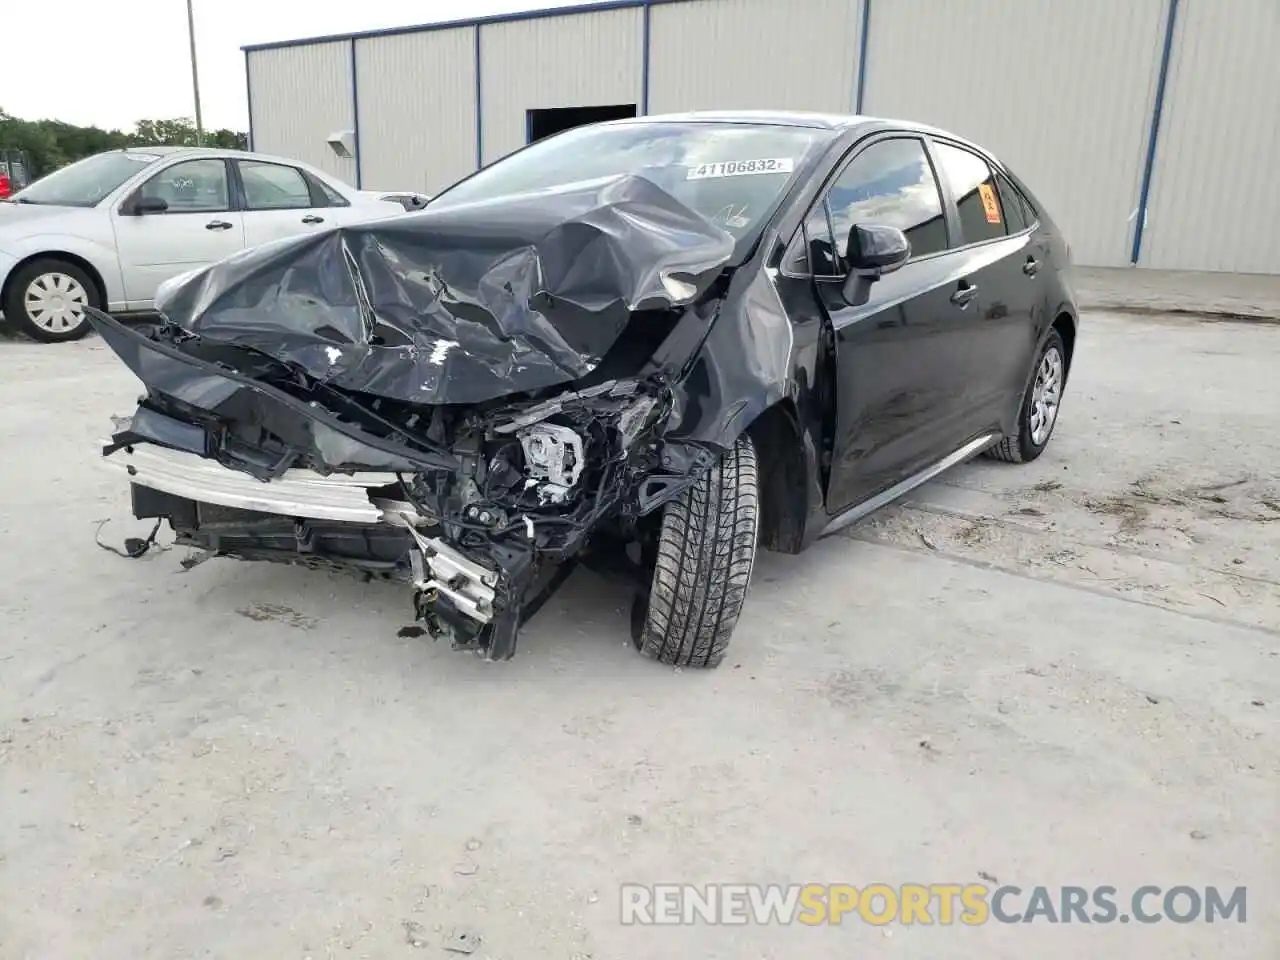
990 205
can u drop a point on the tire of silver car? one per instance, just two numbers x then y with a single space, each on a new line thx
46 300
705 552
1038 414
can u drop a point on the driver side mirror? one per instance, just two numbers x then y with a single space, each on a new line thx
141 206
874 250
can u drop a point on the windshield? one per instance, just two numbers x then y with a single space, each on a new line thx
86 182
733 174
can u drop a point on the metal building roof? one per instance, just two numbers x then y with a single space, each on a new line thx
597 7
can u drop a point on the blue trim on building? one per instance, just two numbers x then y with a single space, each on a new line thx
355 115
645 36
479 106
600 7
248 91
1144 195
863 44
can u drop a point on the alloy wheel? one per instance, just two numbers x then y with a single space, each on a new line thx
1045 396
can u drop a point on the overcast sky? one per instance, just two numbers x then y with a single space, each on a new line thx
111 64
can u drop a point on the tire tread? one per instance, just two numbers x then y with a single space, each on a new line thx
706 552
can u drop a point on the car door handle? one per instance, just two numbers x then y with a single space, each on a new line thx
1031 267
217 225
962 296
312 218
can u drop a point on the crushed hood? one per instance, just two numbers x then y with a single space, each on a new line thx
461 304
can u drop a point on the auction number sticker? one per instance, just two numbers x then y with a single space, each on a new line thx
740 168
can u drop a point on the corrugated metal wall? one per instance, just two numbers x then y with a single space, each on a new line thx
300 95
1214 203
754 54
578 60
417 109
1061 91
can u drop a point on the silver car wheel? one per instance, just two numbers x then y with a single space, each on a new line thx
55 302
1046 393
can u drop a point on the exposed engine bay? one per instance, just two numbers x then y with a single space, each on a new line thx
411 401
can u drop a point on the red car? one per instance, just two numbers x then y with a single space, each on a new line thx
13 172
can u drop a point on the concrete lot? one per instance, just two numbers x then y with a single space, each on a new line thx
1063 673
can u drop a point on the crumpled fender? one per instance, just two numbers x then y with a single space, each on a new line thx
724 375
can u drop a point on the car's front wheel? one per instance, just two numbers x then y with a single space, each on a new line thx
1038 414
46 300
705 552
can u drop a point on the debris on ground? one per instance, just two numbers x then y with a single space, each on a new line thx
461 940
414 933
194 560
134 547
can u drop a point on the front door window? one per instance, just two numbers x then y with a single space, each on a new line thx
193 186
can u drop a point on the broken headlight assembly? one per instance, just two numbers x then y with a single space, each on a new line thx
582 444
554 459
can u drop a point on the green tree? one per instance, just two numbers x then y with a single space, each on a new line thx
50 144
170 133
227 139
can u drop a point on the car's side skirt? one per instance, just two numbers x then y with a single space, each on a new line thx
859 510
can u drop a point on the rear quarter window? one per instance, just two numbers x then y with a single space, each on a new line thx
1015 209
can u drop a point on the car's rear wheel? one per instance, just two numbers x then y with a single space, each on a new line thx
1038 414
705 551
46 300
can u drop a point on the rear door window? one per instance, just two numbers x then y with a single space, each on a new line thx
973 187
272 186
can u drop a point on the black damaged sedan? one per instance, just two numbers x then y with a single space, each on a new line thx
651 346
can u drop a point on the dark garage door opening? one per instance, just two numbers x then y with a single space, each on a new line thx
543 123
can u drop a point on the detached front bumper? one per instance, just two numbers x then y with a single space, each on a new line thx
353 522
